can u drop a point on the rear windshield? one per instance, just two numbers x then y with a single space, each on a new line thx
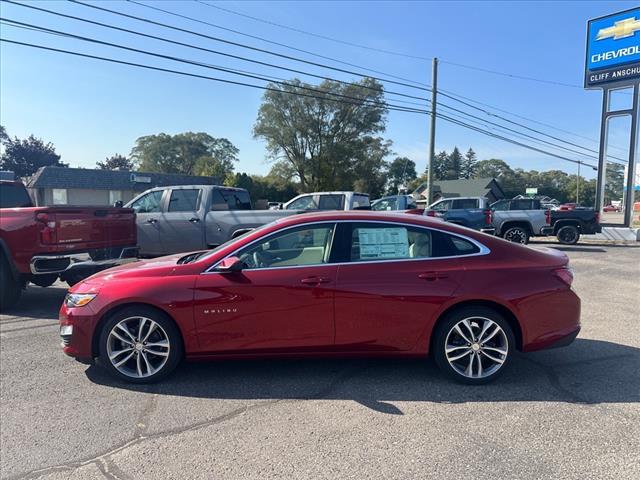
14 196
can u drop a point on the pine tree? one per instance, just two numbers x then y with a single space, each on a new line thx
468 167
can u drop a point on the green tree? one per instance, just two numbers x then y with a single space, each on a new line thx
402 171
187 153
468 166
614 182
453 164
327 143
116 162
25 157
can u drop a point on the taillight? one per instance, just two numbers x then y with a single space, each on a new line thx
565 274
48 233
547 216
488 216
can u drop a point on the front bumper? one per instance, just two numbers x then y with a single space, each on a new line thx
76 331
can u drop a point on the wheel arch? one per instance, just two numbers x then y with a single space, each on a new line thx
567 223
506 225
95 347
506 312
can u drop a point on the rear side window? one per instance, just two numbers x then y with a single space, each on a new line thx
465 203
13 196
521 204
303 203
184 200
331 202
385 204
501 206
442 206
371 242
223 199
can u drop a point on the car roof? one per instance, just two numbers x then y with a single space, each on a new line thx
360 215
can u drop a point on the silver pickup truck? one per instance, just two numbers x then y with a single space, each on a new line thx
194 217
519 219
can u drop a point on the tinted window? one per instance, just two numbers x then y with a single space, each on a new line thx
360 201
331 202
370 241
149 203
308 245
521 204
13 196
465 203
184 200
223 199
303 203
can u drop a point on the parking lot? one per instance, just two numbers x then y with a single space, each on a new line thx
564 413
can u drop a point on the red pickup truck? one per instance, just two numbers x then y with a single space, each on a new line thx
41 244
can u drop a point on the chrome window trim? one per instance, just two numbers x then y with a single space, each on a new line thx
484 250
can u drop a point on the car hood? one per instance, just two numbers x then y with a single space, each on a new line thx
161 266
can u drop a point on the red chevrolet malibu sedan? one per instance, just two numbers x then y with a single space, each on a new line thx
329 284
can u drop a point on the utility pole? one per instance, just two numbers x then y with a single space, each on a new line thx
578 185
432 132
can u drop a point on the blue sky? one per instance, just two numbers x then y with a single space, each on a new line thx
91 110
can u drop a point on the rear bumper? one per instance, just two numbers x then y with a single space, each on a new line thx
80 261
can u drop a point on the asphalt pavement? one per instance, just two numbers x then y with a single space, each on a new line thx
569 413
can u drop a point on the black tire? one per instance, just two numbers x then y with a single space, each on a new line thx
10 288
568 235
517 234
168 327
474 315
44 281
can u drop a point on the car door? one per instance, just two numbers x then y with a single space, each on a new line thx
180 223
392 285
148 210
281 301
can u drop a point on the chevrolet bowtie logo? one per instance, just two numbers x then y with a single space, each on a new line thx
621 29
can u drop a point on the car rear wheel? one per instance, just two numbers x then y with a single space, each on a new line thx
140 345
517 235
473 345
568 235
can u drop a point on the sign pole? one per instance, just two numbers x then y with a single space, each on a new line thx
432 132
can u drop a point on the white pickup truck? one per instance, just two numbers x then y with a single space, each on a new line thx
329 201
194 217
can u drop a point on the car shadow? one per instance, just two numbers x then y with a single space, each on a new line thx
587 372
37 303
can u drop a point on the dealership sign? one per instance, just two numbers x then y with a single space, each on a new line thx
613 49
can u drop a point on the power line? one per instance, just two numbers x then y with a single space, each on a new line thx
201 64
189 74
237 44
317 35
197 47
272 42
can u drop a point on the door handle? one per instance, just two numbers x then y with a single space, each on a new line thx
152 220
431 276
314 280
194 220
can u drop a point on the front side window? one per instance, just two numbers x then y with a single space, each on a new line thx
385 204
59 196
360 201
331 202
370 242
303 203
521 204
186 200
149 203
501 206
442 206
307 245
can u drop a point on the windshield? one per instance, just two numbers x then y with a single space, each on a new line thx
213 251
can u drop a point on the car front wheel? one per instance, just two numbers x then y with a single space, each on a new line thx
140 345
473 345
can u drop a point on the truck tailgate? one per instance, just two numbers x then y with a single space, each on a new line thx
94 227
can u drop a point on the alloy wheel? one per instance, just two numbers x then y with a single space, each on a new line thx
516 235
476 347
138 347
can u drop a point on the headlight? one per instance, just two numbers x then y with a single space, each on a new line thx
78 299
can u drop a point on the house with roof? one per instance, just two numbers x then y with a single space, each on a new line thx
474 187
84 186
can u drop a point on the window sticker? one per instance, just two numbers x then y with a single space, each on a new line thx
383 242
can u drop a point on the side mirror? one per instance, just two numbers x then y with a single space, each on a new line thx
118 204
230 264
